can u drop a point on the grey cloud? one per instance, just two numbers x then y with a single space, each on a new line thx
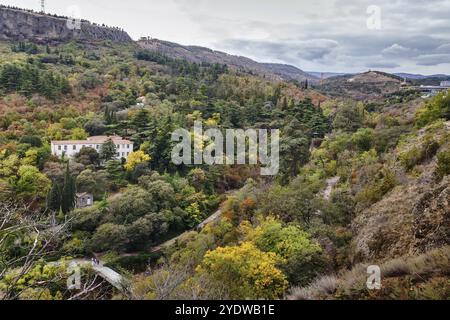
397 50
445 48
433 59
289 51
382 65
315 49
329 34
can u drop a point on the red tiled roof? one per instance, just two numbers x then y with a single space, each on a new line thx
94 140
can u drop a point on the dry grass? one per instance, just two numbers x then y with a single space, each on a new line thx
321 287
352 283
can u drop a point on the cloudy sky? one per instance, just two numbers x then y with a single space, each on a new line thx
315 35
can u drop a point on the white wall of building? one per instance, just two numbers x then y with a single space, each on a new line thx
69 149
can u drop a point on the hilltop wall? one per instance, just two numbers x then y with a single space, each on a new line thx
21 25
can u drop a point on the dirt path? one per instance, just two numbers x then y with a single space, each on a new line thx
111 276
331 183
211 219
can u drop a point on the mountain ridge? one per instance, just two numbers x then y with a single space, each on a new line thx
18 24
198 54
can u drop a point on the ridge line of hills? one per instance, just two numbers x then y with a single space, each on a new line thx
20 24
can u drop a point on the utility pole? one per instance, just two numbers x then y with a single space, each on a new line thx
43 6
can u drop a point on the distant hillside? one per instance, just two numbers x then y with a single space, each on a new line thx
18 25
421 76
288 72
362 86
430 81
326 75
200 54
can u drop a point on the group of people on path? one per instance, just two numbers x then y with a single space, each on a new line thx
94 260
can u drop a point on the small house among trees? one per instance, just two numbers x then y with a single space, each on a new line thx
84 200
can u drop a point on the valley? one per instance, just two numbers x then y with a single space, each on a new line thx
87 174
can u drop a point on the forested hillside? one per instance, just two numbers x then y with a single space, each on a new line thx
360 183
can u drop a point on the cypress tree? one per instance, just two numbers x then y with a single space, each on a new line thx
68 192
107 115
54 198
284 107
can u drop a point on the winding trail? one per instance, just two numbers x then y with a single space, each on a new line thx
211 219
331 183
109 275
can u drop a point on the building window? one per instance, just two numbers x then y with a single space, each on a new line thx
59 147
65 148
74 147
97 147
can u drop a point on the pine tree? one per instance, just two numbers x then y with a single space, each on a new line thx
108 150
285 104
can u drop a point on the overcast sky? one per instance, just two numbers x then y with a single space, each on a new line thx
315 35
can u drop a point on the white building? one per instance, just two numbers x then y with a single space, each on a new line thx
445 83
69 148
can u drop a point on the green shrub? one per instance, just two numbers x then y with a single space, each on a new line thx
436 108
443 168
385 139
374 191
418 154
363 139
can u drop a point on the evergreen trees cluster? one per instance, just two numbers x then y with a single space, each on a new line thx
183 67
110 116
63 197
30 48
28 79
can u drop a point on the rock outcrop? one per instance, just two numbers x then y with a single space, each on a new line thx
19 25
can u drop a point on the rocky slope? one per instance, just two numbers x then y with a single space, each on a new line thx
200 54
412 218
21 25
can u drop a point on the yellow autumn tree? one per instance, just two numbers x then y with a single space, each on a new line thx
136 158
248 272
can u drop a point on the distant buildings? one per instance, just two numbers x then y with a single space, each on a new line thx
434 90
69 148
